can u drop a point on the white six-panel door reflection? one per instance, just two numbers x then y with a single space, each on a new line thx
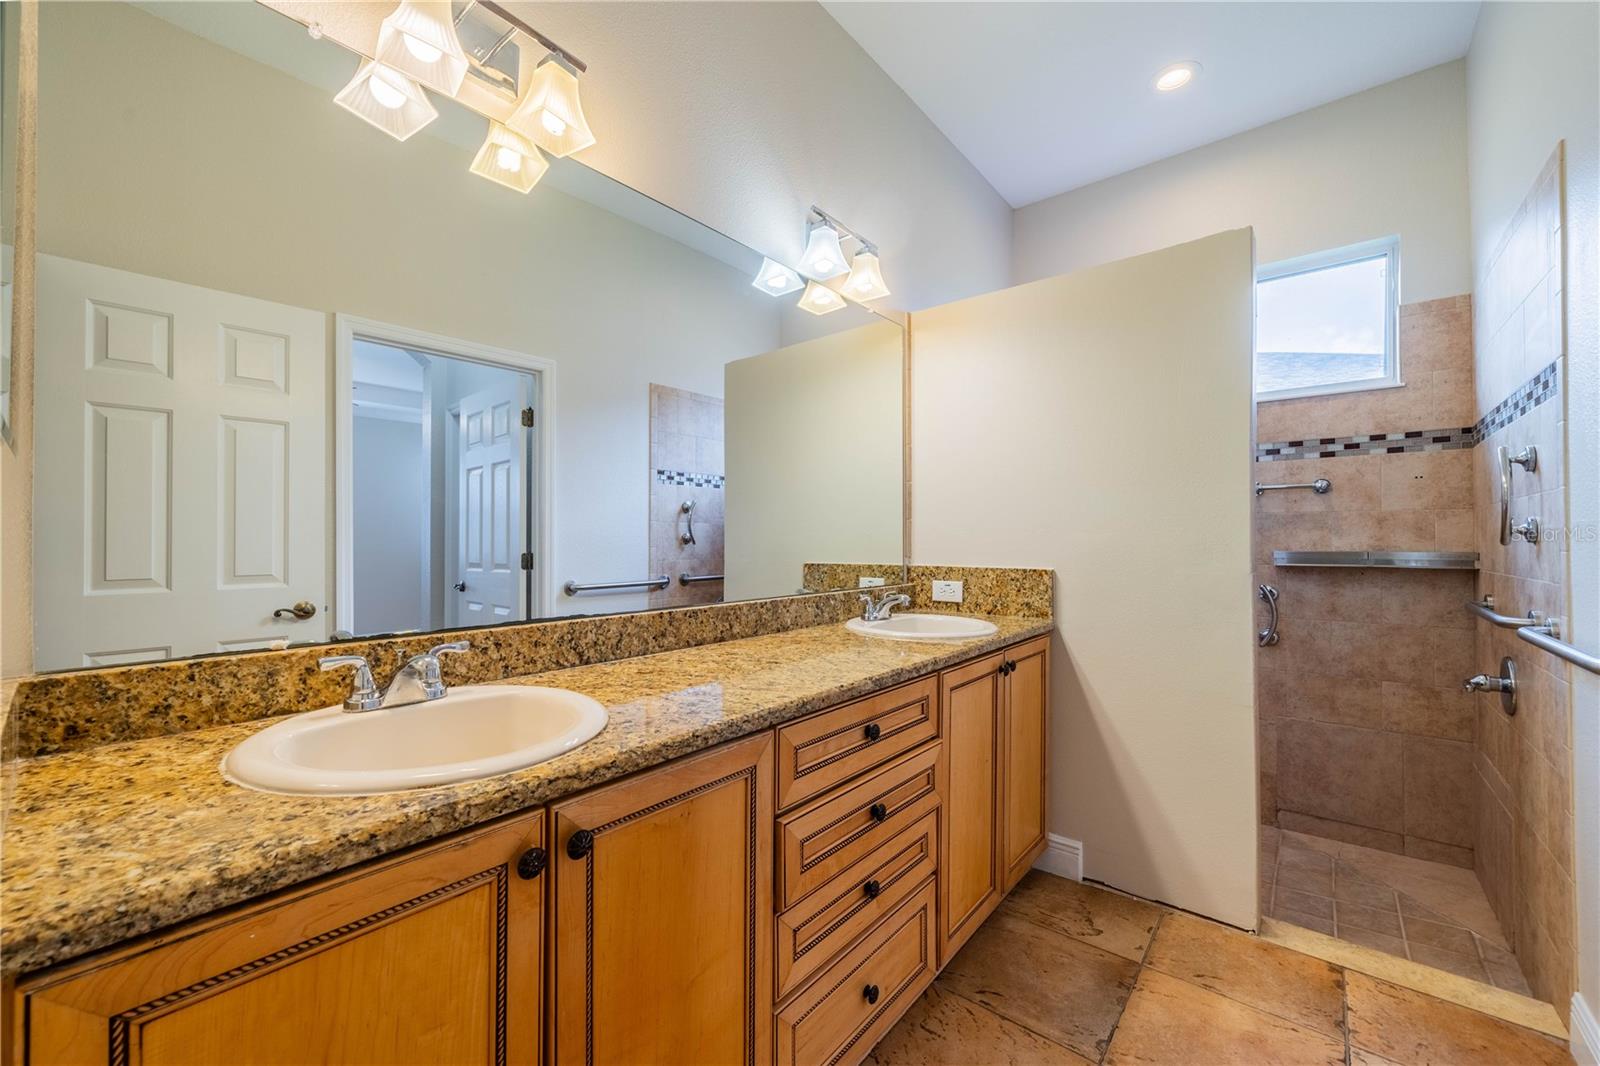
491 525
181 468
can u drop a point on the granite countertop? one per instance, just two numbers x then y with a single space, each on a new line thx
123 839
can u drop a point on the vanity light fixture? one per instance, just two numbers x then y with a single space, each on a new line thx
820 300
823 257
775 279
1176 76
419 40
549 113
866 276
509 158
388 99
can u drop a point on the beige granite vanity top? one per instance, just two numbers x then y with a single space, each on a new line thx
115 841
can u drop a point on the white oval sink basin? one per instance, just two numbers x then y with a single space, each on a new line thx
924 627
474 731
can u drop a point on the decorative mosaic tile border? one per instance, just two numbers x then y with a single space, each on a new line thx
1535 391
685 477
1415 440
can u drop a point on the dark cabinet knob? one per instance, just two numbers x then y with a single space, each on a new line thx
1001 670
870 993
580 844
878 811
873 731
1011 666
531 863
872 888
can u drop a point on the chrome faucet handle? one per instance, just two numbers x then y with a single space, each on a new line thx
453 647
419 677
364 694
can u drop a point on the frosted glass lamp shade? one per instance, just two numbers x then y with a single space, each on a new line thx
388 99
775 279
866 278
509 158
549 113
419 40
823 258
820 300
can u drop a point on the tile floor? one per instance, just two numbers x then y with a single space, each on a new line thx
1069 973
1424 911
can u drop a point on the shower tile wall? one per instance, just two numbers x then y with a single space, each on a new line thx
1365 734
1523 780
686 465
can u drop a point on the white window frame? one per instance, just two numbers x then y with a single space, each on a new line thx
1383 247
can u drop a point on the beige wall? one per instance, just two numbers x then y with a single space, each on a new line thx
1532 79
16 457
1388 160
1099 424
745 114
813 453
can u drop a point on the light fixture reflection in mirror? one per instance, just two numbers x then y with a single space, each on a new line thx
509 158
775 279
419 40
549 113
820 300
387 99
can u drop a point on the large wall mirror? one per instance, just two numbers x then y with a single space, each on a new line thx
298 380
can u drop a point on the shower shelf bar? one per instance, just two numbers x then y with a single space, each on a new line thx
1388 559
1542 637
1484 609
574 587
694 579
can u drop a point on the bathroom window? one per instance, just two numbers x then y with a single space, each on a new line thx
1326 323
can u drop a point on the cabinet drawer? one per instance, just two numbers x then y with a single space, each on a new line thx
837 1018
819 841
826 749
829 919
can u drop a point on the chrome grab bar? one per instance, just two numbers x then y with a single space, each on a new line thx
1319 486
1528 459
1546 638
1268 636
1484 609
573 587
694 579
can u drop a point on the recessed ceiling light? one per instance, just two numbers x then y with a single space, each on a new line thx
1176 76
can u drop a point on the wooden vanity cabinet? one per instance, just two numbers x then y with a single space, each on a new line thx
433 956
1024 757
662 929
971 881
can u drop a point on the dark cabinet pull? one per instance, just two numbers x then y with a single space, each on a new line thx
531 863
873 731
878 811
1011 666
580 844
871 993
872 888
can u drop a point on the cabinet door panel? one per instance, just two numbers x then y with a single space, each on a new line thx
434 956
1027 757
662 927
970 873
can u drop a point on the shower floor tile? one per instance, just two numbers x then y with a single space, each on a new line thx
1428 912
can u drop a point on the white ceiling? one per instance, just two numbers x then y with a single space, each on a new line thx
1045 97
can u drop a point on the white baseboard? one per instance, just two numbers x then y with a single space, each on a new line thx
1585 1043
1063 857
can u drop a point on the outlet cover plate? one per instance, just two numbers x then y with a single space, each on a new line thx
869 582
947 592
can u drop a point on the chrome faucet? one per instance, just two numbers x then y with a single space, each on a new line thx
417 681
878 610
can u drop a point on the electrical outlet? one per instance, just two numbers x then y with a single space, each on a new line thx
869 582
947 592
